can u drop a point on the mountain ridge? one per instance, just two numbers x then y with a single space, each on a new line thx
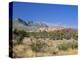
29 25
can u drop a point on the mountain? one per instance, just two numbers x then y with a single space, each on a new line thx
28 25
33 26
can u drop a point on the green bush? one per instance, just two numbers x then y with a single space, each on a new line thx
63 46
38 45
66 45
74 44
20 34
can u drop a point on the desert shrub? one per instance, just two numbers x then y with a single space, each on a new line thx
63 46
38 45
66 45
20 34
67 35
74 44
75 36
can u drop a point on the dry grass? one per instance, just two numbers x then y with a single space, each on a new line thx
50 49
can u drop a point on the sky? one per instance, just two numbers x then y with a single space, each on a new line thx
52 14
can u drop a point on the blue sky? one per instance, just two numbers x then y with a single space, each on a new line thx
52 14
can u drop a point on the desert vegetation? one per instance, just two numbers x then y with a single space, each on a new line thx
32 44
